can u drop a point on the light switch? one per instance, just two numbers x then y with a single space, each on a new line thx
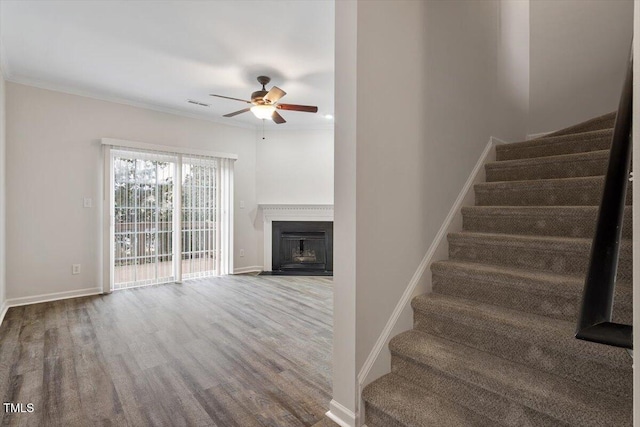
241 204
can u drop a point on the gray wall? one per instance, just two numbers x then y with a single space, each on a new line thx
54 157
295 166
513 70
424 107
413 158
578 58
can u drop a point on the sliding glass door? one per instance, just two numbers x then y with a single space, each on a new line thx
170 217
199 218
143 219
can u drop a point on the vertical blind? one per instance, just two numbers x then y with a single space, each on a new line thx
171 216
143 211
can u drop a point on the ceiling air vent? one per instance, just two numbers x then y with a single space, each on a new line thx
202 104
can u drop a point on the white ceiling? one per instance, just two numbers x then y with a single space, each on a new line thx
161 53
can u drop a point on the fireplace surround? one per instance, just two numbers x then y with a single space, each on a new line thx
289 212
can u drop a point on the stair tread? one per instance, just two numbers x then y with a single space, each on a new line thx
560 158
543 282
479 268
563 399
547 294
556 145
414 406
605 121
531 242
569 221
572 191
541 183
532 210
526 239
591 163
554 139
517 324
555 254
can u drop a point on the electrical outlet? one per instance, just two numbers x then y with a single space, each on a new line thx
241 252
75 269
241 204
87 202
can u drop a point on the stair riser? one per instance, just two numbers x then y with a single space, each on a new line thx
548 223
563 259
377 418
484 335
529 296
392 401
493 406
500 172
570 145
558 194
606 121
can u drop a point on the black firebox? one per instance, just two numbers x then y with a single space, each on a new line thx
302 247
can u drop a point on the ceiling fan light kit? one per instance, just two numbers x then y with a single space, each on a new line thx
265 103
263 111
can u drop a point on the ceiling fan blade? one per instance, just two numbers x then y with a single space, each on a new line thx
278 118
235 113
274 94
294 107
234 99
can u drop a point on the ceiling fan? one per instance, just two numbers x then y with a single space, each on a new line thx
265 103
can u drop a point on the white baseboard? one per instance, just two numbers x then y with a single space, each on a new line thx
250 269
438 249
3 311
341 415
55 296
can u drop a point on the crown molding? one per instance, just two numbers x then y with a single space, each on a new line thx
26 81
118 100
327 126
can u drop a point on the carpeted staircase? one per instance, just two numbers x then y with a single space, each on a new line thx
493 344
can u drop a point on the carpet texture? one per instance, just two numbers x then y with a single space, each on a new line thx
493 344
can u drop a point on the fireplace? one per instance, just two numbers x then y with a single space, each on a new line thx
302 247
273 213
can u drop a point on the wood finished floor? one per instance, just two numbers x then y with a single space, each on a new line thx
233 351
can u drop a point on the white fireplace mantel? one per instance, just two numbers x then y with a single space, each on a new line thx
274 212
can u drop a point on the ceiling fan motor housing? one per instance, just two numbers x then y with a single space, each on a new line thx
257 96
